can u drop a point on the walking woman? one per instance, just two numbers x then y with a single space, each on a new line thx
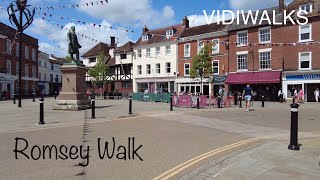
301 96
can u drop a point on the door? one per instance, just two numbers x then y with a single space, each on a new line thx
206 90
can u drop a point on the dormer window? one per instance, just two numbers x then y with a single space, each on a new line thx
145 38
306 7
169 33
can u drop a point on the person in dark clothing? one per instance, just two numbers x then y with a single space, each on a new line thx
247 95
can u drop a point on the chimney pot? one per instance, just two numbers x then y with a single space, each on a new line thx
281 6
185 22
145 29
113 41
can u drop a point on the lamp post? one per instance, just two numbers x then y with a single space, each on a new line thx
200 72
27 13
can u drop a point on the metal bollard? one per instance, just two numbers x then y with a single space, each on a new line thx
33 96
293 100
14 98
240 102
130 105
55 95
93 107
262 101
236 99
171 106
41 101
198 103
294 128
219 102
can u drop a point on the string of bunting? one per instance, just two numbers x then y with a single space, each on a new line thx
45 14
49 35
93 3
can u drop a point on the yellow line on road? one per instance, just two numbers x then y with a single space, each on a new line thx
170 173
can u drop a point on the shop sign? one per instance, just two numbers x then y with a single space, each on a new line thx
219 79
304 77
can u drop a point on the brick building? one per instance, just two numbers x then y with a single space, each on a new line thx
9 62
190 44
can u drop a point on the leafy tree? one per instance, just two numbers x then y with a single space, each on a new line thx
202 62
100 71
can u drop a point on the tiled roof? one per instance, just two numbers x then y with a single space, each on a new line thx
96 50
125 48
111 61
204 29
159 35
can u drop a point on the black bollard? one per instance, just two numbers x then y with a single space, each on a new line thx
14 98
41 101
171 106
236 99
262 101
93 107
219 102
293 100
240 102
33 96
294 128
198 103
55 95
130 105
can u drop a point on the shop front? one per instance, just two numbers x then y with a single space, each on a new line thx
194 86
7 87
296 80
219 81
265 83
155 85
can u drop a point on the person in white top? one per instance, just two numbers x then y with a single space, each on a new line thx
316 94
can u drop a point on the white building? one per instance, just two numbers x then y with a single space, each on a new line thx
155 63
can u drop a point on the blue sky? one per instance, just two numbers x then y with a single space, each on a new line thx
129 15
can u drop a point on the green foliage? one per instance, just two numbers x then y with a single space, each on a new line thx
202 61
100 71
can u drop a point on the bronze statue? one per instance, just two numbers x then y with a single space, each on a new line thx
74 45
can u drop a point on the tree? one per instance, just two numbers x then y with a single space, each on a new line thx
100 71
202 62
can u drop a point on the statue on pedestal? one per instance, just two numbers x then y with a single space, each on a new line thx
74 46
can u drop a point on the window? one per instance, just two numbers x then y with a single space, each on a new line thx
26 88
45 64
187 50
265 60
305 61
242 38
51 77
215 46
145 37
17 68
33 71
33 87
169 33
306 7
126 85
242 62
33 55
39 76
26 52
305 33
26 69
265 35
9 46
148 70
52 66
157 51
215 67
139 70
139 53
17 49
168 67
168 50
158 68
91 60
8 67
123 56
57 78
148 52
45 77
200 46
187 69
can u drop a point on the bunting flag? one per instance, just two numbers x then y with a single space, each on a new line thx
93 3
45 14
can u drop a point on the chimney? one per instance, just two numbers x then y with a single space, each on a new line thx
113 41
145 29
185 22
281 6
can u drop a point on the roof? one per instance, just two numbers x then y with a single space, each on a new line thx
57 60
97 49
159 35
111 61
242 25
204 29
125 48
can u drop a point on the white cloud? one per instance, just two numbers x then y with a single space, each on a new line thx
254 5
58 37
134 13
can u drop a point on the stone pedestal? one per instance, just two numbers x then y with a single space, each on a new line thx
73 95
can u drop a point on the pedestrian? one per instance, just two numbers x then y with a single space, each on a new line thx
316 94
301 96
281 96
247 94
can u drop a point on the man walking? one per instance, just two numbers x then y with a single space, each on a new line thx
247 94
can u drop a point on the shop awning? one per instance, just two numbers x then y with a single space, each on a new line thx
254 78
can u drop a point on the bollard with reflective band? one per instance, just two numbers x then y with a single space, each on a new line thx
171 106
130 105
14 98
55 95
262 101
293 100
33 96
294 128
219 102
41 121
93 107
198 103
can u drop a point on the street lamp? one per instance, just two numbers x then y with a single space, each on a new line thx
200 72
25 12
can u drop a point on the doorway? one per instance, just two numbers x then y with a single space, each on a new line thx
206 90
